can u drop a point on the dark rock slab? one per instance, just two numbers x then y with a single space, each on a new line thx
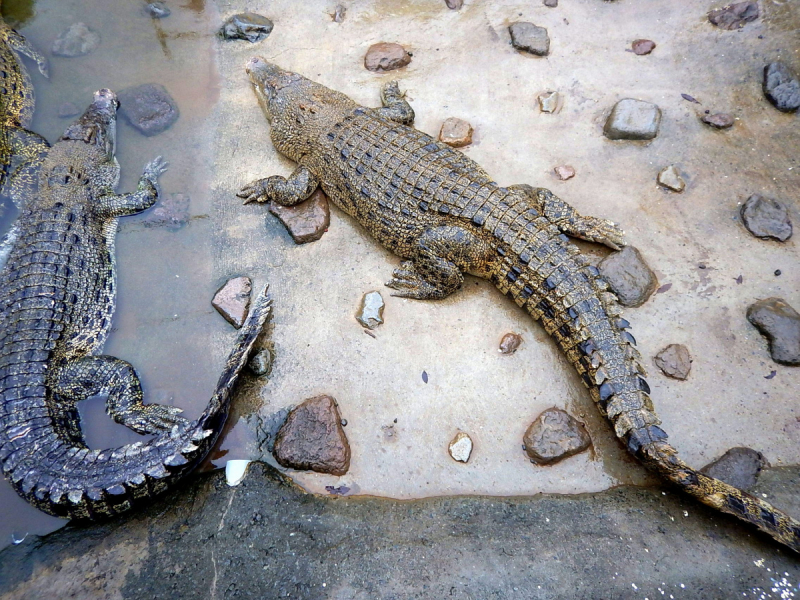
386 56
766 218
780 324
530 38
674 361
554 436
158 10
632 119
781 87
171 212
232 300
510 343
77 40
307 221
247 26
148 108
642 47
629 276
312 439
734 16
738 467
456 132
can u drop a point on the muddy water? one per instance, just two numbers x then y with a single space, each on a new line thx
463 66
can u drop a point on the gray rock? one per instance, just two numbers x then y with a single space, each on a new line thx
460 447
312 439
719 120
232 300
510 343
370 315
77 40
158 10
246 26
261 363
632 119
68 109
781 87
148 108
307 221
780 324
674 361
554 436
738 467
550 3
734 16
171 212
386 56
339 13
671 179
530 38
565 172
766 218
548 102
454 4
456 133
642 47
629 276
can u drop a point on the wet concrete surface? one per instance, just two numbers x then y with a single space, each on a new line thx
265 538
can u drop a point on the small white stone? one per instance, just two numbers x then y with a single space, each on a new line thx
671 179
548 102
461 447
235 470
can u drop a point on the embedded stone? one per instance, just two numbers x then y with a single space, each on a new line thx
312 438
632 119
766 218
530 38
719 120
734 16
370 315
628 276
554 436
548 102
232 300
460 447
738 467
456 133
780 324
510 343
261 363
550 3
339 13
149 108
642 47
674 361
671 179
172 212
76 40
158 10
246 26
781 87
386 56
307 221
565 172
454 4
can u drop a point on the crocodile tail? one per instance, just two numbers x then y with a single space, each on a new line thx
662 458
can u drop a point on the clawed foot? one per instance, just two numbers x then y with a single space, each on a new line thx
602 231
152 418
409 284
155 169
255 191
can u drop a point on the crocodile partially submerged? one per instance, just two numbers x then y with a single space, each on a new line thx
57 296
443 214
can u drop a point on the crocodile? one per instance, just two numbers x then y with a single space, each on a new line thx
444 216
57 297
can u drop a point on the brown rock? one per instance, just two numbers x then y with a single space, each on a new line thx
565 172
312 438
629 276
780 323
738 467
307 221
674 361
456 133
554 436
510 343
735 15
719 120
232 300
385 56
642 47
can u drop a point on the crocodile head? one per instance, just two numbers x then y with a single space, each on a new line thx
97 126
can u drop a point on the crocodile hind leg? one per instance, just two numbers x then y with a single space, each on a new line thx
569 221
395 107
27 151
285 191
89 376
439 258
146 194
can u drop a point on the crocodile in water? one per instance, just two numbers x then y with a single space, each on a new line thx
57 296
443 214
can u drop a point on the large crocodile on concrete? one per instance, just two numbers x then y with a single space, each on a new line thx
443 214
57 296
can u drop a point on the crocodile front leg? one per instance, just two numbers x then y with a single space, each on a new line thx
89 376
285 191
439 259
569 221
395 106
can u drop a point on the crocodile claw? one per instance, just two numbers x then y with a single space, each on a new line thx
155 168
254 192
603 232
